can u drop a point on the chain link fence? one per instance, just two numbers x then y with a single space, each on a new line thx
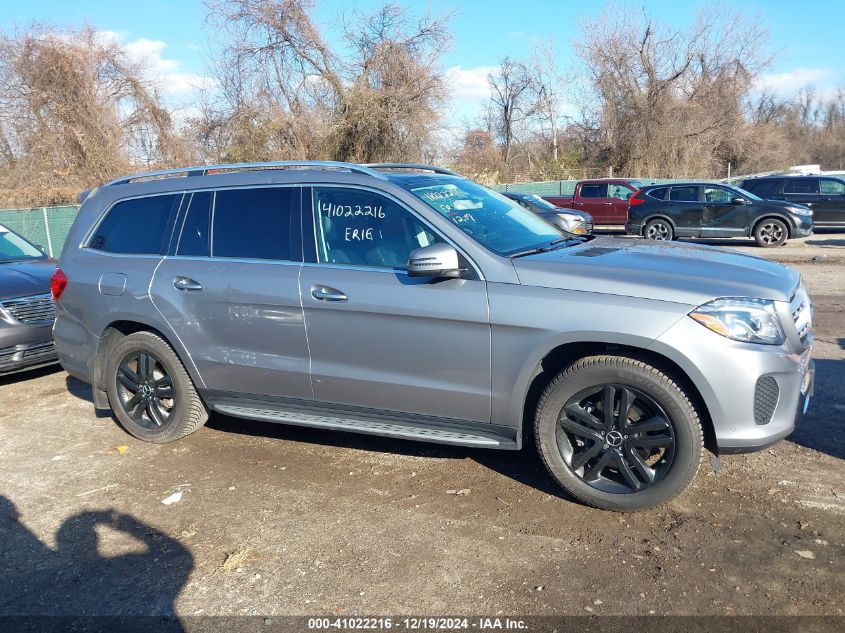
45 226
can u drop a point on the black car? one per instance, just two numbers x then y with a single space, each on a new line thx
694 209
569 220
26 307
825 195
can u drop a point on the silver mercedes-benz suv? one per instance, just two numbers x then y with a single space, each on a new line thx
406 301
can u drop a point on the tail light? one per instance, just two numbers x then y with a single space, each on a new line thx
58 283
636 199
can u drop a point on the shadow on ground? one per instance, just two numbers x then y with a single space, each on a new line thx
822 429
75 579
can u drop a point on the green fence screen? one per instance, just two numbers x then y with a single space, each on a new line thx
46 226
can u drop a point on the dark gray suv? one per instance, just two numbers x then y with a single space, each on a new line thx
406 301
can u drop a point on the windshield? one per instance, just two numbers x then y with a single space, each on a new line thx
14 248
743 192
491 219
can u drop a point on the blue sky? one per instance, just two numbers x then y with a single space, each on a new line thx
807 38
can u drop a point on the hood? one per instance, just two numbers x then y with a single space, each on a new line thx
781 205
682 273
21 279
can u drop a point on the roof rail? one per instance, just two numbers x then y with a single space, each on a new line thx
202 170
415 166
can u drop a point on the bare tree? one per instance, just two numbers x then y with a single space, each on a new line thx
511 103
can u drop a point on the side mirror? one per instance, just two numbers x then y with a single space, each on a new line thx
738 200
439 261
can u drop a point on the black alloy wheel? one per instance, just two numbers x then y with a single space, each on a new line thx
659 230
145 389
615 438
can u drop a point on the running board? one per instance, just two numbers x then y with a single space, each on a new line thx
382 424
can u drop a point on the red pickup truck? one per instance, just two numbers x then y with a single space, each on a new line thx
605 199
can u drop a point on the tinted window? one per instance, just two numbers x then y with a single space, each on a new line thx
362 228
762 188
717 195
801 185
684 194
834 187
593 191
139 227
194 240
257 223
659 193
13 247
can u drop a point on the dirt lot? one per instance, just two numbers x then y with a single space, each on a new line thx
283 520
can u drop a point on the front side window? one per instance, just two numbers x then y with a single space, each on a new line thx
140 226
257 223
684 194
620 192
833 187
14 248
717 195
362 228
489 218
801 185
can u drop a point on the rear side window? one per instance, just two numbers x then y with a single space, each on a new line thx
141 226
658 194
801 185
594 191
762 188
260 223
684 194
195 240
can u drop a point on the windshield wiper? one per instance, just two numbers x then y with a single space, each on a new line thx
547 248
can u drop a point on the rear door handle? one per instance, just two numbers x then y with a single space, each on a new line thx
186 284
327 293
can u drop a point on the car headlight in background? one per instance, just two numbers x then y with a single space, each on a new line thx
741 319
801 210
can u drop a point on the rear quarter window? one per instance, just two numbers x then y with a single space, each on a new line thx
658 194
141 226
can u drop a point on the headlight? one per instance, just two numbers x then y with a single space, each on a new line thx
569 217
801 210
741 319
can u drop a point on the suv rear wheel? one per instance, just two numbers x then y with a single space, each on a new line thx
659 229
149 390
618 434
770 232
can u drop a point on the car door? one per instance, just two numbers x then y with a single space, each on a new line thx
617 196
830 209
721 217
802 190
592 198
685 209
380 339
230 291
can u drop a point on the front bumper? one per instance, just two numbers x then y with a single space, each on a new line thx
633 229
731 378
802 226
27 356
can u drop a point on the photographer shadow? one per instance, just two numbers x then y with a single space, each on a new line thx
76 581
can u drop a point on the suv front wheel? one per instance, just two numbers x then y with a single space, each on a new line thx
150 391
618 434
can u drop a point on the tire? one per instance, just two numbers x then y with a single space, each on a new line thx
771 232
660 230
669 442
151 419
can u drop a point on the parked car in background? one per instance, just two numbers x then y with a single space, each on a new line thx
605 199
693 209
825 195
569 220
26 308
408 302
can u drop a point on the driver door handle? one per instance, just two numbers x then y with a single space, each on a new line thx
186 284
327 293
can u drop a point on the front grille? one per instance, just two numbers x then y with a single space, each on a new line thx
802 313
765 399
34 310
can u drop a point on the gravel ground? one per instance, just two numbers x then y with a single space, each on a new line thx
276 520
